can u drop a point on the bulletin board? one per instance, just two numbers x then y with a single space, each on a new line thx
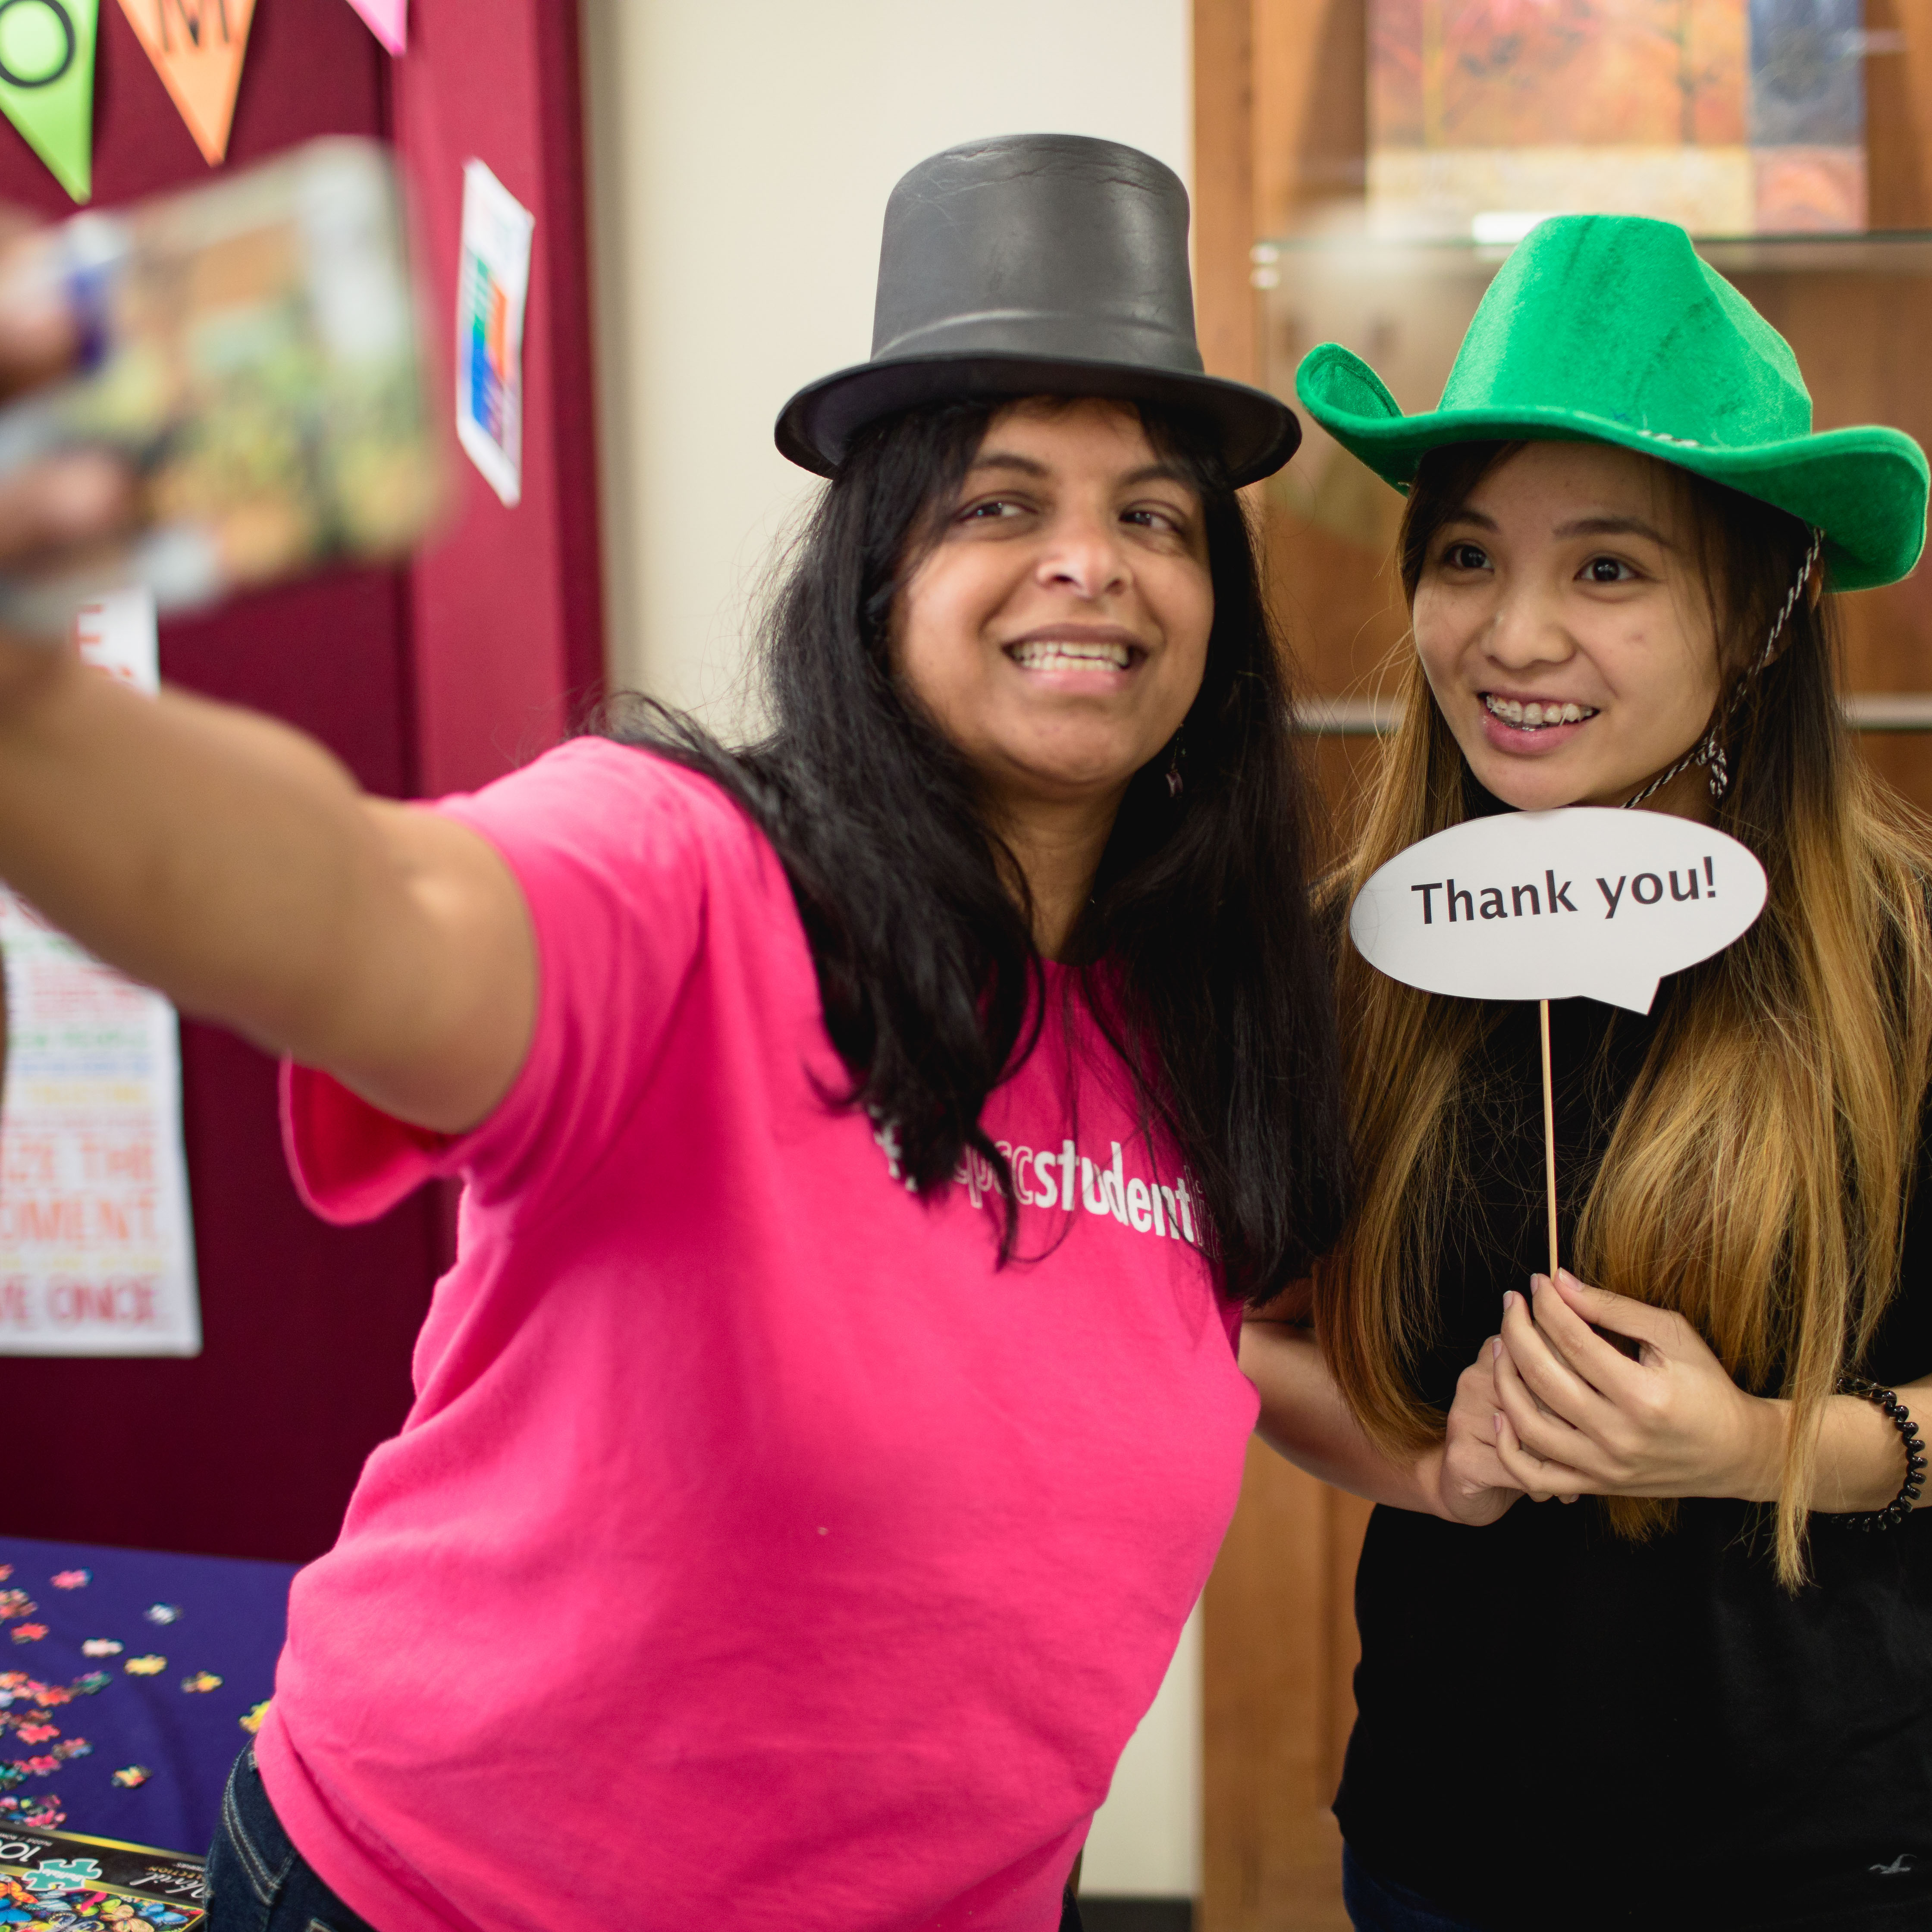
436 678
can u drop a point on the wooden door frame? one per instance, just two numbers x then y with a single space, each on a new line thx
1278 119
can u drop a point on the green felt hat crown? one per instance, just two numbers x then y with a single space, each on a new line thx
1608 328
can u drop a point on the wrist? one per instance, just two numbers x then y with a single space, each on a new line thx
34 675
1428 1472
1875 1478
1759 1475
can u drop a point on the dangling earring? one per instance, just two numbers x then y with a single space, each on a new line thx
1173 779
1717 774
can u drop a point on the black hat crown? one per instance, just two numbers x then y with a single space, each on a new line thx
1036 265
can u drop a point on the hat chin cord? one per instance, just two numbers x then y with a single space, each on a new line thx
1708 751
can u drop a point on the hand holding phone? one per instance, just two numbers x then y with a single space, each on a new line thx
245 401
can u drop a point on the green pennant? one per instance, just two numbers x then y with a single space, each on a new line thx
46 83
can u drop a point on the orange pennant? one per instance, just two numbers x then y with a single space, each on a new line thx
196 47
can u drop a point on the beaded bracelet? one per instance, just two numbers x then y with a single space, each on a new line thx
1900 1508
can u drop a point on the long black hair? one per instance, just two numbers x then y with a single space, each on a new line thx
1195 954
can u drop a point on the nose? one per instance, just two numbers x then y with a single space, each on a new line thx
1083 554
1526 627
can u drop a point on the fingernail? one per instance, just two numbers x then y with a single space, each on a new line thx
1537 1283
1496 1348
33 293
1510 1300
80 494
1496 1420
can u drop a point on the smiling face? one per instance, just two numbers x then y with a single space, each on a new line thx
1563 623
1057 630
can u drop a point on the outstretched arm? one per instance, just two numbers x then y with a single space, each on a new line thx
232 862
1305 1417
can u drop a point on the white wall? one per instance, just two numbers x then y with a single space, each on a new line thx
1146 1839
741 154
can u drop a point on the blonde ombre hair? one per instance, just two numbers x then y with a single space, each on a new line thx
1757 1174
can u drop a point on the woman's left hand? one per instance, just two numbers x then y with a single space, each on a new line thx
1577 1416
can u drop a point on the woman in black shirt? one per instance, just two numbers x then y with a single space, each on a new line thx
1702 1696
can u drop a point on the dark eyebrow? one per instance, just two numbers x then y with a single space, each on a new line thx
1159 472
1151 472
1463 514
1615 526
1004 459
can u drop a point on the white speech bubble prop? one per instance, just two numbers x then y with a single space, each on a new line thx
1554 905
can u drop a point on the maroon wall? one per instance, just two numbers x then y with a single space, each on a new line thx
422 681
530 573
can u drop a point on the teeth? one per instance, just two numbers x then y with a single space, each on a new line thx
1529 717
1050 653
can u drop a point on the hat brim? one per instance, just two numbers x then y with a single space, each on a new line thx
1864 487
1256 433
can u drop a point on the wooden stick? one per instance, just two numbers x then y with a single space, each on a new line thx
1548 1137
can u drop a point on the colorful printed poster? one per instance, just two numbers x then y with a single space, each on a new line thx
1543 73
97 1249
197 47
1729 116
46 83
388 20
493 282
1807 115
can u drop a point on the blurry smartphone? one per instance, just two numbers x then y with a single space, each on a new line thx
253 348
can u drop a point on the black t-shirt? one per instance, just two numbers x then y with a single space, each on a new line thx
1558 1727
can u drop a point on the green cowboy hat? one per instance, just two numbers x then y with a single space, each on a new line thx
1609 328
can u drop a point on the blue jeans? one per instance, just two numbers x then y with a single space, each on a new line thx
1376 1905
257 1881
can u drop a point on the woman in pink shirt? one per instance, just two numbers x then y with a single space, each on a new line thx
869 1139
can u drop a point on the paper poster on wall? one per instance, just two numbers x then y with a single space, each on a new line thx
388 21
97 1247
197 47
492 284
1729 116
46 83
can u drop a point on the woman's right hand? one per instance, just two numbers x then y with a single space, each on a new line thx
1469 1481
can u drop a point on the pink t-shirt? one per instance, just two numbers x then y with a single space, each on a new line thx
757 1552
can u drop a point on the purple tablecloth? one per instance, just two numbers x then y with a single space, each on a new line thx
114 1662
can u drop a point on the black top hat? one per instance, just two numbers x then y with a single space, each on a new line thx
1036 265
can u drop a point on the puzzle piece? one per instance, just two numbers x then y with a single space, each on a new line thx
57 1874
